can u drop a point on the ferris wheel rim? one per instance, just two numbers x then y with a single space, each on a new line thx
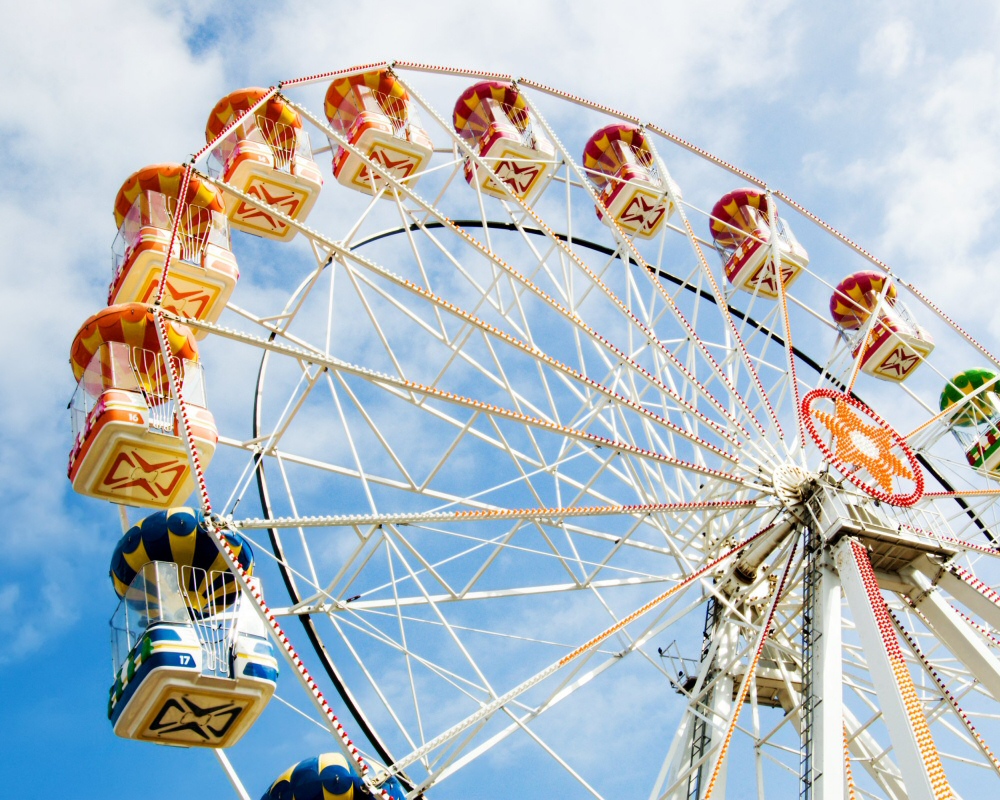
767 330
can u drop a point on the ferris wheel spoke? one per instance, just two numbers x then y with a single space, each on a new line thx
594 278
397 543
627 246
414 695
557 517
503 541
756 333
532 350
396 721
326 603
402 388
757 327
786 322
486 293
286 483
489 708
722 304
368 630
573 681
437 333
459 758
231 773
359 407
300 394
493 545
495 414
350 238
983 493
585 490
374 625
872 755
306 383
555 756
660 350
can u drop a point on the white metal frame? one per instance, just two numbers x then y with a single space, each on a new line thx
518 425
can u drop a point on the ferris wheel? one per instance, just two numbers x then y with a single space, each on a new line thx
585 462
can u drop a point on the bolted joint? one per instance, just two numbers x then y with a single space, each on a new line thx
744 574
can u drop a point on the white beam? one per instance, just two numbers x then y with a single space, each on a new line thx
234 779
902 711
870 754
969 591
867 752
721 704
966 644
677 751
677 772
828 688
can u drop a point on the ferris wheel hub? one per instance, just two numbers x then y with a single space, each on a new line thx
793 484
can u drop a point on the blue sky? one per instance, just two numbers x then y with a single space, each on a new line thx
884 118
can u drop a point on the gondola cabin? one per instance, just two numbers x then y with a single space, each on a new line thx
374 113
741 227
127 445
267 156
878 327
620 163
493 118
193 664
203 271
975 417
328 776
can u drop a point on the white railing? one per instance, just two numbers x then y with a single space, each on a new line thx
521 121
209 602
894 317
400 114
154 597
198 228
286 143
214 600
116 365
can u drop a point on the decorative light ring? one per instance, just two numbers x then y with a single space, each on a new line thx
862 443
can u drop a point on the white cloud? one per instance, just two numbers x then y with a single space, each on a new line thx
939 184
107 88
890 50
903 138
